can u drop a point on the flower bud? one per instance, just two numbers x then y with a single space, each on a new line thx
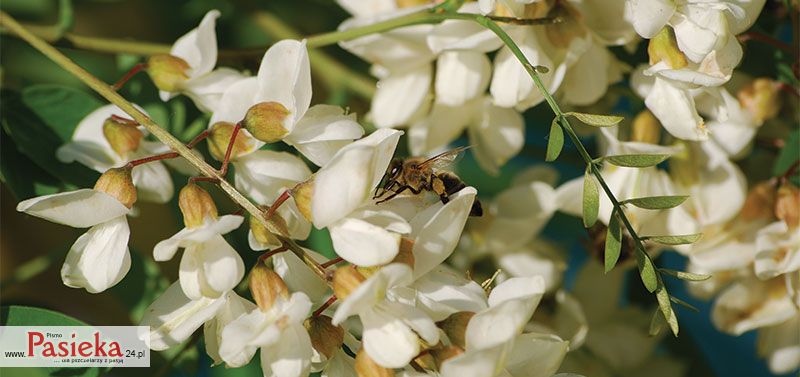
664 47
122 137
646 128
266 286
264 236
265 121
455 326
561 34
118 183
167 72
787 204
196 205
345 280
366 367
761 98
759 203
405 255
325 337
220 136
302 194
442 354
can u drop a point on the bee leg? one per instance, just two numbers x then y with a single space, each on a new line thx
438 186
387 187
401 189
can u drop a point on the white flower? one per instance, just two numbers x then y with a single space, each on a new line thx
497 133
99 259
286 349
198 48
494 343
172 318
780 344
392 326
362 233
777 250
91 147
751 303
285 77
730 125
209 266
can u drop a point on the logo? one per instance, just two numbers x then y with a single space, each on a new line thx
74 346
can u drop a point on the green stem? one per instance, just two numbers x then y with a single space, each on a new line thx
491 25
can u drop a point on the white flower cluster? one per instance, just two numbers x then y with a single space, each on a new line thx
395 307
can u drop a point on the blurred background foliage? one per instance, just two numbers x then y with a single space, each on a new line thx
40 105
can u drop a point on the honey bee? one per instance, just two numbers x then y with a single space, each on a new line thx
417 174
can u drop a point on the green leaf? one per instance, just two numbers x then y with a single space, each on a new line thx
646 270
658 202
143 284
24 178
636 160
591 200
674 240
613 242
29 316
61 108
555 142
657 323
666 309
39 142
688 276
683 303
596 119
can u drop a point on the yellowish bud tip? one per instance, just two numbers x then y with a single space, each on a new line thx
325 337
410 3
664 47
302 194
761 98
122 137
265 121
442 354
646 128
266 286
787 204
196 205
262 234
345 280
366 367
220 136
405 255
167 72
118 183
760 202
455 326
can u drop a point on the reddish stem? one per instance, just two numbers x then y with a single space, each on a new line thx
270 253
756 36
224 169
200 137
274 207
136 69
789 172
789 89
203 179
331 262
158 157
324 306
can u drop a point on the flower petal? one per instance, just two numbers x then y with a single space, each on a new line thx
290 356
674 107
153 182
285 77
323 131
199 46
498 135
211 268
99 259
387 339
173 317
264 174
372 291
400 95
79 209
461 76
536 355
206 91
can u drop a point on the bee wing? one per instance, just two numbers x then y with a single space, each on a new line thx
444 160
